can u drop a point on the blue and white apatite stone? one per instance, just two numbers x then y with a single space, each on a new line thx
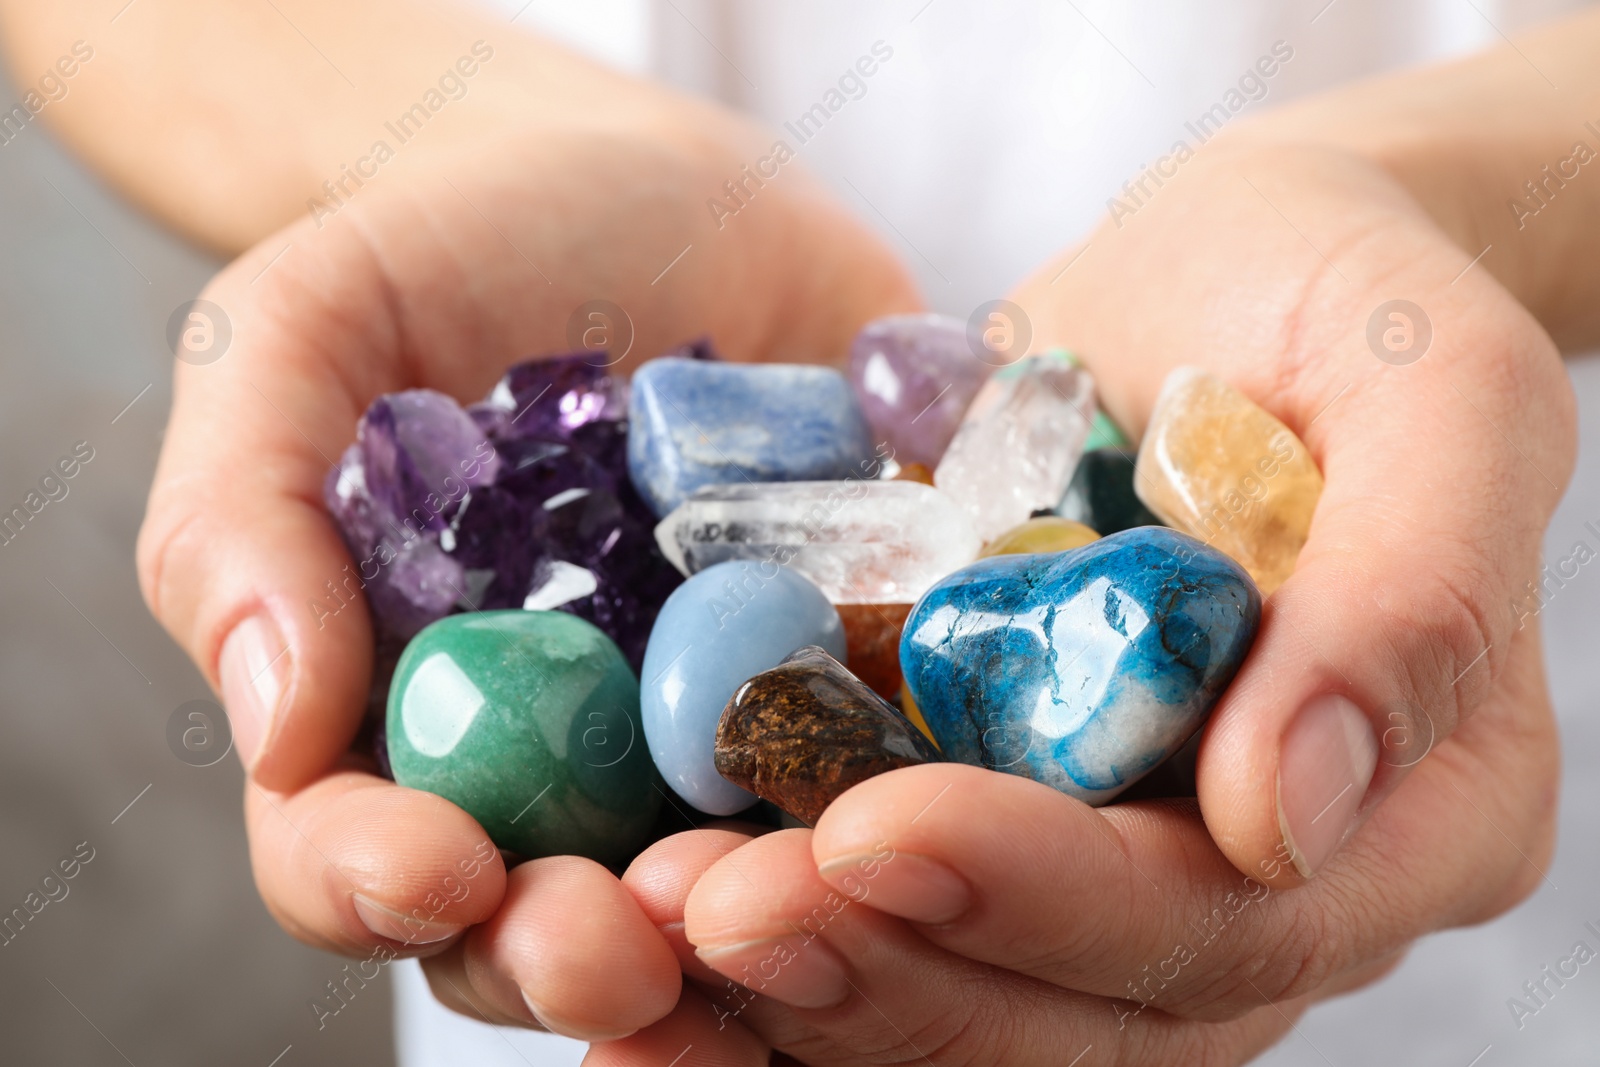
719 629
695 423
1083 669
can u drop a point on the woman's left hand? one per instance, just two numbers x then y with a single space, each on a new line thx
957 915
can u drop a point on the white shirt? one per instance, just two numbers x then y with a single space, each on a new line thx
989 137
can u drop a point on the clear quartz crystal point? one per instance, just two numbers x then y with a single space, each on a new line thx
860 542
1019 443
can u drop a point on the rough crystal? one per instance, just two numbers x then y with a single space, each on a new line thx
416 456
1103 432
861 542
550 399
523 501
1016 449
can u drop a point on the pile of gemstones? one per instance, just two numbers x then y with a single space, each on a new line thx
598 602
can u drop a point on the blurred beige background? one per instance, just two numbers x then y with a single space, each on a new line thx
161 953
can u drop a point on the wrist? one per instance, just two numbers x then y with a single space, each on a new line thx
1505 166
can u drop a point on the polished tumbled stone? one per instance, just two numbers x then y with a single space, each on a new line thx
861 542
1216 465
915 376
805 731
1019 442
872 634
908 707
695 423
1043 533
721 627
914 472
1084 669
1101 493
529 722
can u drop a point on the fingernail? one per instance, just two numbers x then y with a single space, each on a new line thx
407 929
1328 758
910 886
254 669
577 1031
794 971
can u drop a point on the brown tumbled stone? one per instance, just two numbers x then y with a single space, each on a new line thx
805 731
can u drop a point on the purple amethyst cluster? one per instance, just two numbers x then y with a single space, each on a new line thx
519 501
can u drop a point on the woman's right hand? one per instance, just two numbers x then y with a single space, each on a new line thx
440 276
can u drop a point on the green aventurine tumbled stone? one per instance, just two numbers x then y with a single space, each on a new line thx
528 721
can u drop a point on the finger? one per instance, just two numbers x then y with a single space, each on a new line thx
1043 885
1395 624
1362 977
661 878
354 863
1135 901
691 1036
864 987
570 950
237 557
451 985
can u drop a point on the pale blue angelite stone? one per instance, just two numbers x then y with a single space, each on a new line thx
1083 669
693 423
718 630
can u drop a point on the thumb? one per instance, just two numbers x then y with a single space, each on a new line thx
1439 480
237 554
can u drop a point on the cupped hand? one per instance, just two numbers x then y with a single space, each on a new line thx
439 273
1383 766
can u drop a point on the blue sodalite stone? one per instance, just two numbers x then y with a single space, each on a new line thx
1083 669
695 423
716 631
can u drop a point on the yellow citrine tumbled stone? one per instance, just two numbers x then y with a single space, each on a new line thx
1216 466
1044 533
